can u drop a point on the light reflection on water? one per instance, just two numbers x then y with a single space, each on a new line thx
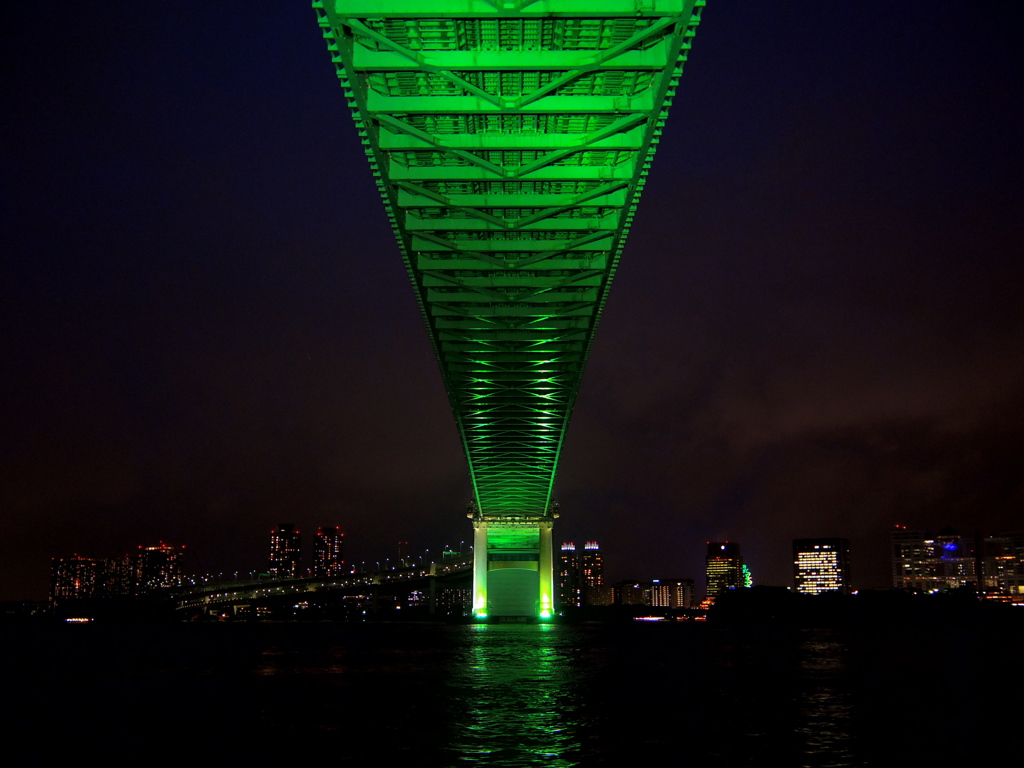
532 696
519 697
825 707
522 695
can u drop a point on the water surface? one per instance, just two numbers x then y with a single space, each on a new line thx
508 695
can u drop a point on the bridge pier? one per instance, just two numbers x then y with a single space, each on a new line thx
513 567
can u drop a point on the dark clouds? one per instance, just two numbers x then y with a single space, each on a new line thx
816 328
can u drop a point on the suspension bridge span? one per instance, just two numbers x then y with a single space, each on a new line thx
510 141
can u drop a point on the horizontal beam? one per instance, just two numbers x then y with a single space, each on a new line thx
366 60
422 173
630 140
556 105
495 280
608 223
422 241
466 9
442 308
615 199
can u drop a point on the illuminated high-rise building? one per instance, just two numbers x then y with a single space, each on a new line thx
669 593
328 552
821 565
569 582
158 566
580 572
1002 567
121 576
657 593
285 546
75 577
591 569
923 562
603 594
630 593
147 569
724 567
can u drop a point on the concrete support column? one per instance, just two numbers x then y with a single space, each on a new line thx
479 569
547 568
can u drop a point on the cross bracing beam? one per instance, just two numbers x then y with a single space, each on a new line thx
510 141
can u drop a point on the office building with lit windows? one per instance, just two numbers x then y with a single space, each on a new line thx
147 569
580 575
1002 567
75 577
821 565
591 569
629 593
669 593
925 562
285 546
724 568
603 594
328 552
121 576
570 589
158 566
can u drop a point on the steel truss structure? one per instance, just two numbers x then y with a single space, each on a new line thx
510 142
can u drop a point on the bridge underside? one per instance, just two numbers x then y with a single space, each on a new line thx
510 142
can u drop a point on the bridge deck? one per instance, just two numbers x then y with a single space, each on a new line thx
510 142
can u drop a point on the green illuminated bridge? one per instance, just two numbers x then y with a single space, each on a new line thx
510 142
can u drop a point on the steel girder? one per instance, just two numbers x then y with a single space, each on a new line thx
510 142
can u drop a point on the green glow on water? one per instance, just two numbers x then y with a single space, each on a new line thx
515 681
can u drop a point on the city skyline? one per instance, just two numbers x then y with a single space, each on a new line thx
815 331
924 563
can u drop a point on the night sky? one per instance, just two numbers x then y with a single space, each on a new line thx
817 328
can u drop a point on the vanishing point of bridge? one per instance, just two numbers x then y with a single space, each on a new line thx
510 141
